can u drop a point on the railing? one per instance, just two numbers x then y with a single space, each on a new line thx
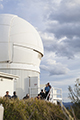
55 94
58 94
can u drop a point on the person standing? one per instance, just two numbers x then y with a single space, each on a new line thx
49 91
49 85
7 95
14 95
42 94
46 90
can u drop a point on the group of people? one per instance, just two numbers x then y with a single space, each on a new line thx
9 96
42 95
14 95
46 93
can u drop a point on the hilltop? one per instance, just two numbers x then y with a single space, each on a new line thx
31 109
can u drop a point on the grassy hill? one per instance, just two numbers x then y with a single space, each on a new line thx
31 109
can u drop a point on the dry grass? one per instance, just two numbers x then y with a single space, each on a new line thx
31 109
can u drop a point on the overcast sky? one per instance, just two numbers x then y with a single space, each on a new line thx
58 23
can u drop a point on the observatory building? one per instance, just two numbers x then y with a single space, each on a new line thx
21 50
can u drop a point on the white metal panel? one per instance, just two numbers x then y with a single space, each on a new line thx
4 56
6 85
11 76
29 39
33 91
25 55
33 81
25 39
21 25
5 19
5 52
22 55
19 66
33 86
4 31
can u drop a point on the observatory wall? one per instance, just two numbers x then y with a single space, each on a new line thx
21 50
26 79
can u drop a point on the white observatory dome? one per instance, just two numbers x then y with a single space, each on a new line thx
19 41
21 47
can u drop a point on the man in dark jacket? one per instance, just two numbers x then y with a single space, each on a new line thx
14 95
7 95
42 94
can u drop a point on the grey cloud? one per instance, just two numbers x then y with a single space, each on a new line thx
66 48
74 43
66 29
67 16
67 11
56 69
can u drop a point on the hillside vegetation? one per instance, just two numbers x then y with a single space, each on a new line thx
31 109
74 95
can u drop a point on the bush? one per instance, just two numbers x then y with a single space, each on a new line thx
30 109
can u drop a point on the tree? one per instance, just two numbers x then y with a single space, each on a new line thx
74 94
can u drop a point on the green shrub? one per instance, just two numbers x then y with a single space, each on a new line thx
30 109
